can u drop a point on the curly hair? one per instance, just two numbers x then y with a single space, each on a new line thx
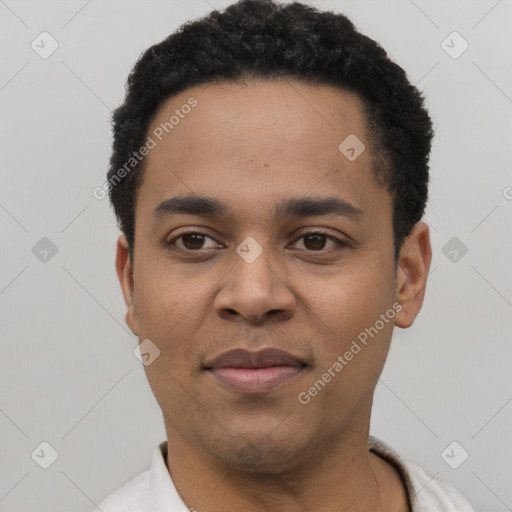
260 39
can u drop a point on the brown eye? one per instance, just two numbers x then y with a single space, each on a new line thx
192 241
316 241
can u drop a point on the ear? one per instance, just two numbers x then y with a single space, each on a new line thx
125 276
412 272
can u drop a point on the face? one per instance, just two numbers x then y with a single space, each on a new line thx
291 264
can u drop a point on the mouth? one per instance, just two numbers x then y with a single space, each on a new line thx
255 372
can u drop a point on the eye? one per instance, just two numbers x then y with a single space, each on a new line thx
192 241
316 240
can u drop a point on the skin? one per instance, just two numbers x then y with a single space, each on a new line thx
251 146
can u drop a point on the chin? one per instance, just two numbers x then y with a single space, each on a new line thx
259 455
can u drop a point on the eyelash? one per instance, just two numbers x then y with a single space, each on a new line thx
340 243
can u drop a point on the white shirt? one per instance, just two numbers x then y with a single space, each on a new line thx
154 491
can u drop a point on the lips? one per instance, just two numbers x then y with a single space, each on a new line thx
246 371
240 358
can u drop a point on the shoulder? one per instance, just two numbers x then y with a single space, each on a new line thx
131 497
149 491
432 494
426 494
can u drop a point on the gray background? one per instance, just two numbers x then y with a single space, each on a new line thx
68 374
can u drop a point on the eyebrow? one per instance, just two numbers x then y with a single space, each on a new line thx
293 207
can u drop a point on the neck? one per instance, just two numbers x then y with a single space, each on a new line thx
342 476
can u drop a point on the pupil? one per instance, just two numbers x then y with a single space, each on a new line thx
318 238
198 238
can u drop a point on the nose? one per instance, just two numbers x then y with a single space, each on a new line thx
255 292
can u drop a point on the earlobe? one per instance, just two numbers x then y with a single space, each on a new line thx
412 273
125 275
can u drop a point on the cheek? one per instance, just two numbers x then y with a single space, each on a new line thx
164 296
168 311
353 341
348 317
349 303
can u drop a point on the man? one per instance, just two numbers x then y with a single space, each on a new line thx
269 174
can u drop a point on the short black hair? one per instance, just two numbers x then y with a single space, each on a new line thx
262 39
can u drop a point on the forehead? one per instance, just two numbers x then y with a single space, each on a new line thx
276 113
257 142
